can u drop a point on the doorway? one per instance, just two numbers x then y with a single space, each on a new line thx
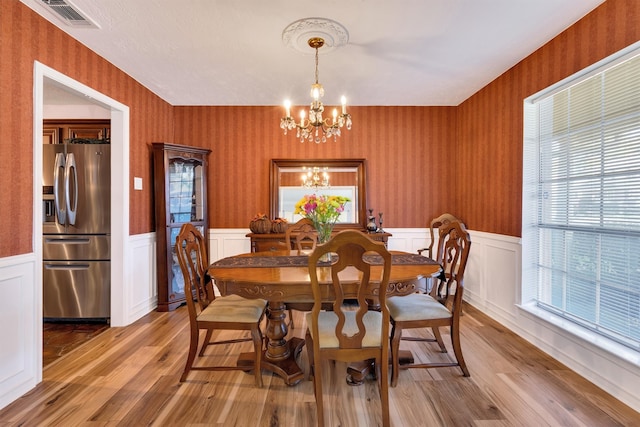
119 116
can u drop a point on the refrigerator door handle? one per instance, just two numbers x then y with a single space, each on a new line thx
66 266
58 167
68 240
71 172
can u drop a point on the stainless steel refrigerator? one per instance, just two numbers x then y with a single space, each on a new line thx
76 231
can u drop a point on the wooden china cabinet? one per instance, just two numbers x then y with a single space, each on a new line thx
180 186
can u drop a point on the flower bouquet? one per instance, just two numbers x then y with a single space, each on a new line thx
323 211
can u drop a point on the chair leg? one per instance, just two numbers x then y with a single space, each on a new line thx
438 337
396 334
383 387
317 382
193 347
257 348
457 349
206 342
317 379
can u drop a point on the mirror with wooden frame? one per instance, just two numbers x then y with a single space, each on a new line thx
346 177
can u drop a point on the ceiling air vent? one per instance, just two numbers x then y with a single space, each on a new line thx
69 13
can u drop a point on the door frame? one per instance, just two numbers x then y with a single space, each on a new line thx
119 192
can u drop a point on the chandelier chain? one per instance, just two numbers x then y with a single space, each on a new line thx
316 65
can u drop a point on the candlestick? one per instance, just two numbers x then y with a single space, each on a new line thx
287 107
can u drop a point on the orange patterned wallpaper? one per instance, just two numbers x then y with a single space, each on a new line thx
24 38
473 150
489 138
405 175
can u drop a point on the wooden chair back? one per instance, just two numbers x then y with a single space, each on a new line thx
301 236
454 243
434 225
193 260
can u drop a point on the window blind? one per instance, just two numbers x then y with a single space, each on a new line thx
581 215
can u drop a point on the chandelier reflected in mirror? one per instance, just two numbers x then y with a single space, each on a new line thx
316 128
315 177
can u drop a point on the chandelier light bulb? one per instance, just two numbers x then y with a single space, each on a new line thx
287 107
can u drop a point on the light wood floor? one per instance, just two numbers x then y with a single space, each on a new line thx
129 377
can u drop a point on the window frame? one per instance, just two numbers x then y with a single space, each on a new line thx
531 213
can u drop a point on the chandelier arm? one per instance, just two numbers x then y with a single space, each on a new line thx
326 125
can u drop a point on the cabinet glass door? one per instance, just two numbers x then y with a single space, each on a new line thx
176 278
186 188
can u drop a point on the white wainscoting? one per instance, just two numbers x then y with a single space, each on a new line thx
142 296
224 242
20 328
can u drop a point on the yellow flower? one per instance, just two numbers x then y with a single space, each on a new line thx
323 211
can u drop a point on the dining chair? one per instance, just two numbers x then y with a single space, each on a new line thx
300 236
211 313
350 332
431 250
441 307
434 225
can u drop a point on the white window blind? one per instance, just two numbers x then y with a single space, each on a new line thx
581 216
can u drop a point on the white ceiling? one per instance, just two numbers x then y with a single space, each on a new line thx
403 52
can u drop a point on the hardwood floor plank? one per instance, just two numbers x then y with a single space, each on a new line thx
597 398
130 377
146 409
137 379
544 406
409 407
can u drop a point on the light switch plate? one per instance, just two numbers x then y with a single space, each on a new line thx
137 183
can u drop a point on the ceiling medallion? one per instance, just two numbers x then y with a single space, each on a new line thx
297 34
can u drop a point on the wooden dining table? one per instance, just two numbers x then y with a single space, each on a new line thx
282 277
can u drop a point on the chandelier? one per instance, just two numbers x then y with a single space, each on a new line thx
313 178
316 128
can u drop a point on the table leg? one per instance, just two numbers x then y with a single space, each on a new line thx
280 354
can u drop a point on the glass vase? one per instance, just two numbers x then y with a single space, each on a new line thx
324 235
